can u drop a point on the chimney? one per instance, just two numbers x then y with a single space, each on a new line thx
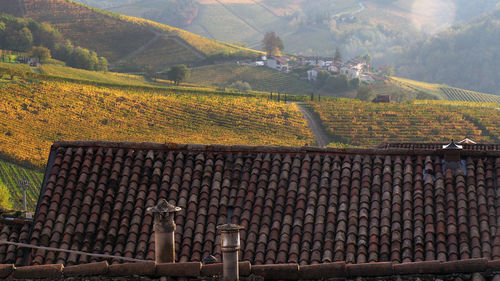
451 153
230 245
164 228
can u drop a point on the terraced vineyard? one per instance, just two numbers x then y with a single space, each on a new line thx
165 51
34 114
465 95
368 124
11 174
80 74
259 78
445 92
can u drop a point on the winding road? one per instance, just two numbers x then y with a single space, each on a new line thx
322 138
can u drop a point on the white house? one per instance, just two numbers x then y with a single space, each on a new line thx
334 68
278 63
366 77
312 74
350 72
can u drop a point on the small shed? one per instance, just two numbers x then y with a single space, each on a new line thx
382 98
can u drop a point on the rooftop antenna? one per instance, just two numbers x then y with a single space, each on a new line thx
24 185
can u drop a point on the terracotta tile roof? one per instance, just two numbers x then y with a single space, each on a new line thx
470 269
433 146
15 231
300 206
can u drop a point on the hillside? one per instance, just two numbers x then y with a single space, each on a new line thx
259 78
465 56
443 91
378 27
357 123
120 38
36 113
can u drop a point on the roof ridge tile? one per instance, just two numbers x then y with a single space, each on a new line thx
89 269
48 271
277 271
128 269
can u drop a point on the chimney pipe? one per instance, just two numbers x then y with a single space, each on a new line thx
230 245
451 154
164 228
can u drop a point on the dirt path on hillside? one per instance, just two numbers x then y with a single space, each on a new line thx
158 35
183 43
322 138
138 50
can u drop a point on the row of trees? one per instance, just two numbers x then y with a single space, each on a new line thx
25 35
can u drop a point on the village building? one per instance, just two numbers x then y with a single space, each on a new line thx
31 61
401 211
382 99
312 74
278 63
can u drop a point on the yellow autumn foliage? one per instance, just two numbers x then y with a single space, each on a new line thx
35 114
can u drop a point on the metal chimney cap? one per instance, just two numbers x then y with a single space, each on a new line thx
230 227
164 207
209 260
466 141
452 146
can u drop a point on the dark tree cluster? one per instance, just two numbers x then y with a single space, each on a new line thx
43 41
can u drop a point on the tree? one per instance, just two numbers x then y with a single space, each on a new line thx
338 56
5 201
102 65
365 93
149 73
367 58
42 53
355 83
19 40
272 44
389 71
178 73
241 86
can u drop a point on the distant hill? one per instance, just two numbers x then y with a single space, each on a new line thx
122 39
465 56
378 27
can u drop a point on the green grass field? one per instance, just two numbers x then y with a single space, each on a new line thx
259 78
11 174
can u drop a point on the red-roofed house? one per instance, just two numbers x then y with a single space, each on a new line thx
397 211
278 63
